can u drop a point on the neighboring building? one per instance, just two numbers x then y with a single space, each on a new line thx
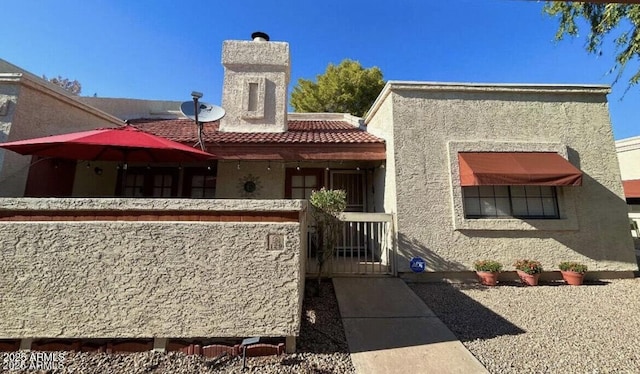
32 107
450 173
629 158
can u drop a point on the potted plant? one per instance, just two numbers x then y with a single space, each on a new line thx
572 272
487 271
528 271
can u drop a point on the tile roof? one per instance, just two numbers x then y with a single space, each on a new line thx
300 131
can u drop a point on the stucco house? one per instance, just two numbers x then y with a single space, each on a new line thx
629 158
446 172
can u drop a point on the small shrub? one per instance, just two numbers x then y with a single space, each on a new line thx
488 265
327 206
573 266
528 266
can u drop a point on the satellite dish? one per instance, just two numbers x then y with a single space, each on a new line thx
206 112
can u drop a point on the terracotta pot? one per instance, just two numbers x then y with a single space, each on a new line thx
528 279
488 278
572 278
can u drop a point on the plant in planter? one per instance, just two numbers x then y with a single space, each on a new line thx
487 271
572 272
528 271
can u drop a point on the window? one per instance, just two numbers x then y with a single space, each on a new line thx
300 183
199 183
153 182
529 202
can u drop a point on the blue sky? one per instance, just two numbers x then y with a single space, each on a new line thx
165 49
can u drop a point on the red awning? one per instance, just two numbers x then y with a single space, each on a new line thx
631 189
517 168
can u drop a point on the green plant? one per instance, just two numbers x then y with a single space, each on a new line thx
573 266
528 266
488 265
327 206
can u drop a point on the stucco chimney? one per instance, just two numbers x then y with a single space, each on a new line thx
256 79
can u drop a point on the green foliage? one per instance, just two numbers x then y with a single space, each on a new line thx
328 202
327 205
573 266
528 266
602 19
73 86
345 88
488 265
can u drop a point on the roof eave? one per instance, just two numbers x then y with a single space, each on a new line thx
299 151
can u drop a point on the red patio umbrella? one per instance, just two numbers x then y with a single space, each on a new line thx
124 144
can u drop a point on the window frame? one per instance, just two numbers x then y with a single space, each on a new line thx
187 178
510 198
291 172
148 175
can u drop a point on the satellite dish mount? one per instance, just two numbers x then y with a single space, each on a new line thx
201 112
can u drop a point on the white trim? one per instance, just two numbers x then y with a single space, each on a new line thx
366 217
448 86
628 144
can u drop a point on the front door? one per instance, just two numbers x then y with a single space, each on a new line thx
353 183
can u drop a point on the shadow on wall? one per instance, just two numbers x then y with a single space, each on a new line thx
412 248
466 318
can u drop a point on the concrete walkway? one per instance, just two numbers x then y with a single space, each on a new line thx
390 330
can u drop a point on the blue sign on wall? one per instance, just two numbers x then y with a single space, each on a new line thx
417 265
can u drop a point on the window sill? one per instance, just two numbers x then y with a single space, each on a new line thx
512 224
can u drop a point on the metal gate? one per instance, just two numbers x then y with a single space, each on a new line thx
364 248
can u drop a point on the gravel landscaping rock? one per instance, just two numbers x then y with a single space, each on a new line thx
322 348
552 328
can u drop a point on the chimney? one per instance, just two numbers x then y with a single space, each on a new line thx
256 79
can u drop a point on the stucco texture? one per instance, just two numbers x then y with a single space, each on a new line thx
150 279
250 62
427 118
269 183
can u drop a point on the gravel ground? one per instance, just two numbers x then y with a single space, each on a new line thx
322 349
551 328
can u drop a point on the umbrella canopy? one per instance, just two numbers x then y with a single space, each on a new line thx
125 144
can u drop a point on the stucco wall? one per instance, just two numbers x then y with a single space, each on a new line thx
88 182
270 183
151 279
41 111
8 98
136 108
381 125
427 117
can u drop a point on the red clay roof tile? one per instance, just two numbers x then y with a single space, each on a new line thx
300 131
